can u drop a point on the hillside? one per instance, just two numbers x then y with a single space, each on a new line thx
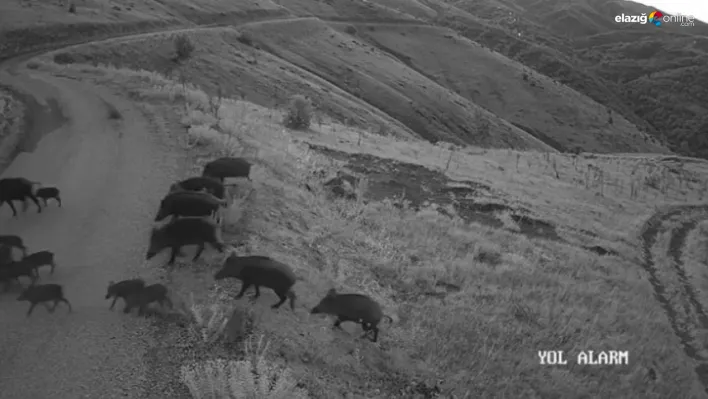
597 59
550 111
480 256
434 176
429 109
579 44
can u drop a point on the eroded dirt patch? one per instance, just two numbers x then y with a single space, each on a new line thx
419 186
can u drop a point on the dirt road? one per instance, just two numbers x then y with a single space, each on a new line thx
683 310
112 174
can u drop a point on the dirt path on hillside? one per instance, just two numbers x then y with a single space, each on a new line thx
685 313
112 174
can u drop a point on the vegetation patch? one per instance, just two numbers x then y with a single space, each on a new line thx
12 113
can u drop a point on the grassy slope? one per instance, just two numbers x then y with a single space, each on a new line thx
545 108
482 341
427 108
561 38
221 61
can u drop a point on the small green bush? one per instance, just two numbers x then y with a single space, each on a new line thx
299 113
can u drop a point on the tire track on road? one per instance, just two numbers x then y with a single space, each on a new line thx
683 327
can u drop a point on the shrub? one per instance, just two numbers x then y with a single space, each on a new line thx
183 47
245 38
299 114
64 58
251 378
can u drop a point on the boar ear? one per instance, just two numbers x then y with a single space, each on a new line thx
110 283
331 292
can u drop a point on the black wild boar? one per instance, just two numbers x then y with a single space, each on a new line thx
15 270
188 203
352 307
260 271
44 293
181 232
222 168
17 189
39 259
145 296
201 183
123 289
47 193
13 241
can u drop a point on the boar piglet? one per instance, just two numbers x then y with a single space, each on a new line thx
15 270
39 259
14 242
181 232
357 308
44 293
260 271
47 193
149 294
123 289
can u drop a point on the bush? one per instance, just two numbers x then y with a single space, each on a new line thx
183 47
64 58
251 378
245 38
299 113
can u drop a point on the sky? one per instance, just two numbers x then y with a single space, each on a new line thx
697 8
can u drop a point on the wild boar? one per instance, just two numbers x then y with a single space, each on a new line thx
35 294
123 289
357 308
149 294
222 168
17 189
39 259
260 271
14 241
47 193
181 232
15 270
188 203
201 183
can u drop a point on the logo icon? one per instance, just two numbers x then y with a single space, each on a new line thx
655 17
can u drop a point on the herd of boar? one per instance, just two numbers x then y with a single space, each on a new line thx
195 206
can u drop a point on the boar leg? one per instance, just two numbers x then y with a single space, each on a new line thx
200 249
244 287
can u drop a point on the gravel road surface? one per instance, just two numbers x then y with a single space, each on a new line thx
111 174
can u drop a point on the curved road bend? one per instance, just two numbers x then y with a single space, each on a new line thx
111 174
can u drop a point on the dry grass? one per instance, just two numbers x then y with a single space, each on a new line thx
516 295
